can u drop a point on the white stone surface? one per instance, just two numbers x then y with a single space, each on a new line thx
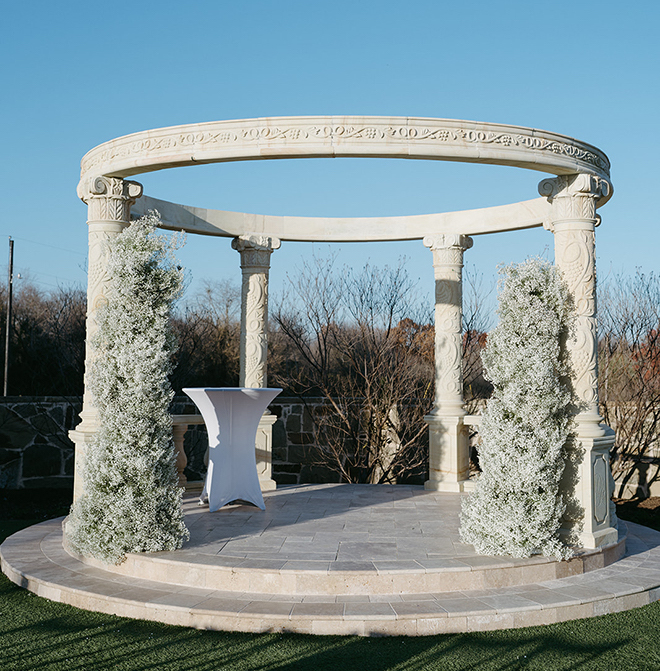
516 216
587 480
330 136
255 251
448 445
395 567
109 203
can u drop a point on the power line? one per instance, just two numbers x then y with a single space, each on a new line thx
43 244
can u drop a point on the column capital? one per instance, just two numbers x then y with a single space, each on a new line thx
576 197
448 241
255 249
109 198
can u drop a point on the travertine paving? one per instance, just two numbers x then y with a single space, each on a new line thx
347 559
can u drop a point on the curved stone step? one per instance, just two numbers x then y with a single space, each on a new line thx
34 558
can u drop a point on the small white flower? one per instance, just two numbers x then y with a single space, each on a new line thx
132 501
516 508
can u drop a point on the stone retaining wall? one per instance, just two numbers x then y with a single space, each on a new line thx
35 450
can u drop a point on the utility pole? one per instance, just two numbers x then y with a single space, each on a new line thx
10 283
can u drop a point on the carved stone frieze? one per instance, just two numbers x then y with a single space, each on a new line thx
230 136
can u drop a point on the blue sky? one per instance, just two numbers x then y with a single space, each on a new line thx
75 74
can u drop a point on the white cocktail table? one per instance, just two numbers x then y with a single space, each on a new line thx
232 415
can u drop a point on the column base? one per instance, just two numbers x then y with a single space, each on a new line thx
81 437
449 464
440 486
267 485
598 538
587 485
264 450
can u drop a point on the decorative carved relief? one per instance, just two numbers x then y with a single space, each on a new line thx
575 255
109 201
255 249
574 199
371 132
255 253
447 265
255 308
601 474
110 198
575 196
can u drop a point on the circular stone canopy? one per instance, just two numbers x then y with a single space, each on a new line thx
336 136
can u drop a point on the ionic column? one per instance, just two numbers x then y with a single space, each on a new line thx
587 481
109 201
255 251
449 462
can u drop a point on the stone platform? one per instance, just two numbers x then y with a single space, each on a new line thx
339 559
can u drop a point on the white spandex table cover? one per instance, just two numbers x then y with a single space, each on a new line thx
232 415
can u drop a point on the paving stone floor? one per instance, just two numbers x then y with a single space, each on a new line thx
375 525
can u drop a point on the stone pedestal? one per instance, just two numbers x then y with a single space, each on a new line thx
587 481
109 201
255 251
448 439
264 448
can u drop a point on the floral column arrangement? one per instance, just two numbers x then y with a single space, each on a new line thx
516 508
131 500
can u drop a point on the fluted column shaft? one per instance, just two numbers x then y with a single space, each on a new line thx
587 482
448 447
255 251
109 201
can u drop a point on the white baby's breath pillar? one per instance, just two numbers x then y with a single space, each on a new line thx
587 481
109 201
448 445
255 251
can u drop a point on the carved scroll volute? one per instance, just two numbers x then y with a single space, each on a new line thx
110 198
575 197
255 251
574 200
448 265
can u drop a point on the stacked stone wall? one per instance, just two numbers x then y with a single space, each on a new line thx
35 450
295 452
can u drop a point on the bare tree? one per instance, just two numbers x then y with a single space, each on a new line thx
477 321
208 331
629 381
357 348
48 336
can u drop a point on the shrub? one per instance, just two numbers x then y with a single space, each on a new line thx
517 508
131 500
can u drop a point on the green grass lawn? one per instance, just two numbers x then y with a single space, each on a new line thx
40 634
